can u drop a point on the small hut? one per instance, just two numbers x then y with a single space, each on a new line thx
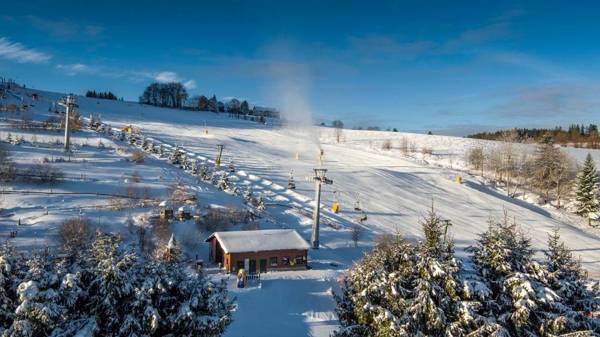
166 210
183 213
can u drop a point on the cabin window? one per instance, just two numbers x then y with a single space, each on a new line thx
274 261
239 264
285 260
300 259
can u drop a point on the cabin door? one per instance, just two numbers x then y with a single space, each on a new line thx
263 265
252 268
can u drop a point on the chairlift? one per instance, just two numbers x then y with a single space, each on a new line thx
335 207
291 181
357 203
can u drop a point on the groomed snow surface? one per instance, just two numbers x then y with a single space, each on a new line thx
394 191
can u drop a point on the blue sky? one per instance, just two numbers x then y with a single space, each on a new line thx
449 66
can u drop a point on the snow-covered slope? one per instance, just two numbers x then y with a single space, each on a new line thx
394 191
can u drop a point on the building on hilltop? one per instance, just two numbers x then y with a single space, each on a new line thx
266 112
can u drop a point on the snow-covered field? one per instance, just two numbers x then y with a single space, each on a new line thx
394 191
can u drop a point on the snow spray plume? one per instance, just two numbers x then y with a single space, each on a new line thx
292 82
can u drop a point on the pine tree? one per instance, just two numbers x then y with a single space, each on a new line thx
569 280
521 296
11 270
39 311
402 290
587 190
112 287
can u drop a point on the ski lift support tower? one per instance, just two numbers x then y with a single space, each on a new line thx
69 104
319 178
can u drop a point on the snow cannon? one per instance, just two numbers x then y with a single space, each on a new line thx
219 154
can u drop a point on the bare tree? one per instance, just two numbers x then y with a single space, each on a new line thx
75 233
509 167
551 171
563 175
506 165
42 173
7 166
426 150
412 147
339 130
476 158
387 145
404 145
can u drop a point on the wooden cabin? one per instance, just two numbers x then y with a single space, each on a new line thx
258 251
165 210
183 213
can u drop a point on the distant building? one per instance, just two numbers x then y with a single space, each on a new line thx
258 250
266 112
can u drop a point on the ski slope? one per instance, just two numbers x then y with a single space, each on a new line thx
394 191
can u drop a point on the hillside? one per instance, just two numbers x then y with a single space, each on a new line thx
394 190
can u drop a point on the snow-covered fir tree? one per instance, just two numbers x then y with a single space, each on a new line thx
520 301
404 290
11 272
248 196
400 289
39 311
110 290
569 280
188 303
223 184
587 190
112 287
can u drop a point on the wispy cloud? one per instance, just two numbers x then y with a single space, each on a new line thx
17 52
569 99
374 45
166 76
59 29
531 63
479 35
75 69
189 84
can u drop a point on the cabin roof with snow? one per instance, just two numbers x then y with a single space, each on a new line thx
259 240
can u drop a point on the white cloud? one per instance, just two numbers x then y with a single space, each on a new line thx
190 84
75 68
166 76
19 53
